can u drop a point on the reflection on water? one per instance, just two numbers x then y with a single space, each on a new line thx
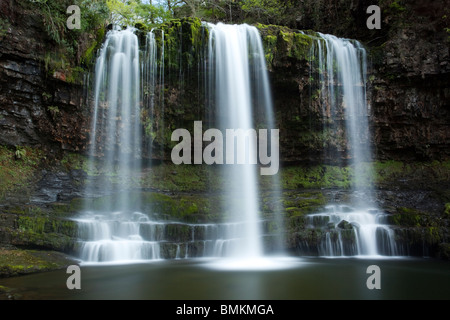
200 279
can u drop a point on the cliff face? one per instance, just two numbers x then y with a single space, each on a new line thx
39 105
408 83
43 106
410 94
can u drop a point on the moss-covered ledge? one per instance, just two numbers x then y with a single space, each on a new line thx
281 43
15 262
33 227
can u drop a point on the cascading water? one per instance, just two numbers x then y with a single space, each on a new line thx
229 51
110 231
240 87
360 229
125 89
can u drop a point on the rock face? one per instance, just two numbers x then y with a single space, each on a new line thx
408 90
38 107
410 95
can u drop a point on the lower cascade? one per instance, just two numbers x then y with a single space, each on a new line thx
132 236
348 231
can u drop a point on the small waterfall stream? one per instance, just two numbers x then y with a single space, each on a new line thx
358 229
353 232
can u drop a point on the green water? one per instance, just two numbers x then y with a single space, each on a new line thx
303 278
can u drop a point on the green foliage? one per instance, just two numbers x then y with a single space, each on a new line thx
20 152
46 95
447 30
447 209
134 12
396 6
4 26
54 110
263 10
67 46
54 14
54 19
210 10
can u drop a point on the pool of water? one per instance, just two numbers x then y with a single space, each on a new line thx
280 279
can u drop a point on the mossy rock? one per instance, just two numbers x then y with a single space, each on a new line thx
17 262
407 217
47 241
297 203
44 232
47 225
345 225
281 42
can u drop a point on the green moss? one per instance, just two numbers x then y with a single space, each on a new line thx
269 45
89 55
52 241
301 46
392 171
316 177
447 209
299 204
16 172
40 230
433 235
396 7
171 177
295 45
180 207
282 42
184 40
4 26
177 207
16 262
408 217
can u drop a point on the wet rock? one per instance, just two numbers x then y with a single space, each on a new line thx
58 186
345 225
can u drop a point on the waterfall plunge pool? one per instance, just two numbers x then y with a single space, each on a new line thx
194 279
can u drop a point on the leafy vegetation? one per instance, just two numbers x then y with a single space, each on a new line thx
263 10
133 12
67 47
4 26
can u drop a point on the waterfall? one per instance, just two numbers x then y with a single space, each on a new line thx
355 229
125 92
241 96
351 231
110 231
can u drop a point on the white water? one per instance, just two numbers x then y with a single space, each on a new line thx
116 140
350 231
240 84
115 231
342 72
